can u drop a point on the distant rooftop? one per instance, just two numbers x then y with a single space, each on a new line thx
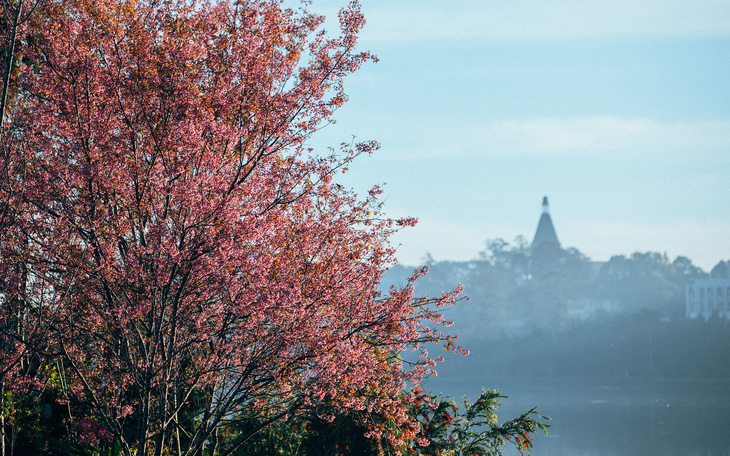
545 234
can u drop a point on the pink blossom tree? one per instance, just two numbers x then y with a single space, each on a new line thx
194 259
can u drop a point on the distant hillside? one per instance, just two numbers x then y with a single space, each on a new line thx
513 293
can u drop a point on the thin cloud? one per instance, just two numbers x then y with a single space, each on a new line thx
585 136
605 134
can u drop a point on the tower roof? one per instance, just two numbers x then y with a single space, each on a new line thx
545 233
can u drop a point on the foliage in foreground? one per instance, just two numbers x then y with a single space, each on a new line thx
471 429
441 428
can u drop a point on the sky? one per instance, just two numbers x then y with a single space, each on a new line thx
618 111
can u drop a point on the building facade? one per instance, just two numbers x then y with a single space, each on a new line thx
707 297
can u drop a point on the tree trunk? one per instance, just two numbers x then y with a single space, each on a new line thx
9 67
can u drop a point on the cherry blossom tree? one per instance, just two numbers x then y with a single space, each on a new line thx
193 257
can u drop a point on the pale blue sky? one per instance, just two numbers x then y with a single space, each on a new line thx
618 111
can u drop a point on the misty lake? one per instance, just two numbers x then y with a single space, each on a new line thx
592 417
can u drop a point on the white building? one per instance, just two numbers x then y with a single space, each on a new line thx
708 297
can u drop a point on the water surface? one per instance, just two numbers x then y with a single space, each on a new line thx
590 417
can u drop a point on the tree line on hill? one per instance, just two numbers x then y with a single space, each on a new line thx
509 296
623 318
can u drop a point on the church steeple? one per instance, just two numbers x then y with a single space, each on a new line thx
545 234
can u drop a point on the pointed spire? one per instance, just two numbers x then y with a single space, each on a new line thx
545 234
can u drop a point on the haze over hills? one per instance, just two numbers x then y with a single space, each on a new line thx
520 287
565 315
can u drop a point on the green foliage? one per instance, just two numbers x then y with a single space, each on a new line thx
472 429
45 420
445 429
29 429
